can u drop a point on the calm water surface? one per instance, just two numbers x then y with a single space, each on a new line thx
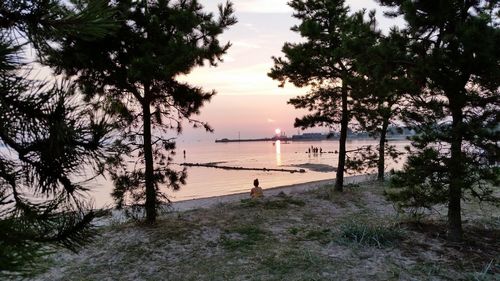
206 182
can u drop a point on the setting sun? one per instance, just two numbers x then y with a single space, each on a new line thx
277 131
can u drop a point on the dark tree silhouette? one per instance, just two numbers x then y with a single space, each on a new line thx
134 72
454 50
325 62
379 96
48 138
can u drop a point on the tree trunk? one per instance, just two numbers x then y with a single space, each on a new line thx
150 203
344 122
381 150
455 231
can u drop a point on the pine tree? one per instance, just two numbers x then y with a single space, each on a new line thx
455 55
47 137
134 73
325 62
382 86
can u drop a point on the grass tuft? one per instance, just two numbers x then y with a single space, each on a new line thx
324 236
292 262
242 237
369 235
487 273
282 202
250 203
351 194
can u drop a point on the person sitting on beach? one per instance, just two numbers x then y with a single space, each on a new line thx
256 192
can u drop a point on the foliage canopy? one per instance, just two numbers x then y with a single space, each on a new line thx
133 73
49 141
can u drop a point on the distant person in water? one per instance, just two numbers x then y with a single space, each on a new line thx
256 192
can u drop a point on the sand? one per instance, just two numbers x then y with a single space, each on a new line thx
118 216
287 189
308 234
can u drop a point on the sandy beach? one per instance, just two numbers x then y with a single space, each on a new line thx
118 216
298 232
273 191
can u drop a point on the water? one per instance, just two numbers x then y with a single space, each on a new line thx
206 182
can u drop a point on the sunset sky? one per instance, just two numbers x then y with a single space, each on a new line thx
248 101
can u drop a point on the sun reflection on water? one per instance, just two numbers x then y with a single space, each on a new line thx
277 144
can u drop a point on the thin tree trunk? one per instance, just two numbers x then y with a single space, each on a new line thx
150 203
148 158
455 231
381 150
344 122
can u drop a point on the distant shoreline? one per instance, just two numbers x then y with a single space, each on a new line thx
287 139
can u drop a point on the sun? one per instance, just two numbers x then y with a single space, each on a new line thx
277 131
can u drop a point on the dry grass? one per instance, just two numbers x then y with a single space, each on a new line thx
318 235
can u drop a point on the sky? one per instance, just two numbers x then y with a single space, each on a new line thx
248 102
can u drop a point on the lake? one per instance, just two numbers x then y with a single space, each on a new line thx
206 182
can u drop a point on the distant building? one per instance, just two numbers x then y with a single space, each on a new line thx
309 136
393 132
